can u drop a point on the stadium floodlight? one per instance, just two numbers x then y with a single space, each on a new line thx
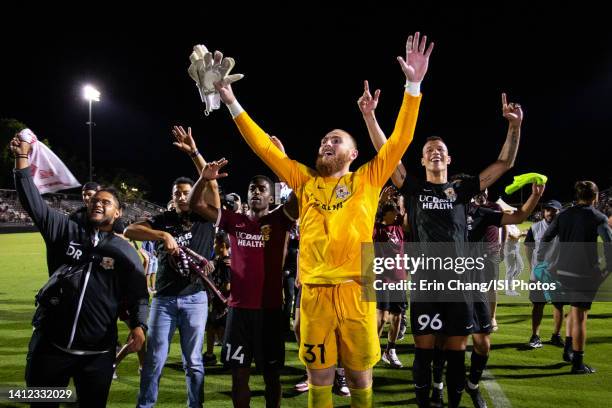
91 94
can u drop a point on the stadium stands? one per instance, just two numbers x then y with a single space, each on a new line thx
12 213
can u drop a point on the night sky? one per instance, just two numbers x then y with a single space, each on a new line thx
304 69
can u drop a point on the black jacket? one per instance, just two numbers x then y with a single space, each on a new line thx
79 306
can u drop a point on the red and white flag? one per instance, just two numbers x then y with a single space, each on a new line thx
50 174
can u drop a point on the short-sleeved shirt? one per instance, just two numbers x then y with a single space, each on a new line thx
389 242
190 230
258 247
438 212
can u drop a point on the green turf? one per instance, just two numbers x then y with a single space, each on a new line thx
529 378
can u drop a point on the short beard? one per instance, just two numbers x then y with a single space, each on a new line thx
104 221
332 165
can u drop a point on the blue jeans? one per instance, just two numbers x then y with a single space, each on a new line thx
189 314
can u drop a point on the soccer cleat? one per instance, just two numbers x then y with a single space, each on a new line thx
390 357
584 369
340 386
302 385
535 342
209 359
437 398
477 399
568 356
556 340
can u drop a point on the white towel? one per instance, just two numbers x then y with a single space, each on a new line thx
50 174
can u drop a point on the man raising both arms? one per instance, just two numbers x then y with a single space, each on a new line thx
437 212
337 211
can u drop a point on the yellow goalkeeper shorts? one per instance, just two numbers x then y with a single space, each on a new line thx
337 325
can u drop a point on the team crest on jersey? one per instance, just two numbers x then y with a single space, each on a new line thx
265 232
107 263
342 192
450 194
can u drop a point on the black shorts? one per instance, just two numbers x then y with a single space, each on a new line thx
254 334
482 317
536 296
448 318
385 302
216 319
579 292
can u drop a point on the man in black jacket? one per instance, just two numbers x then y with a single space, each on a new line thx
55 254
76 318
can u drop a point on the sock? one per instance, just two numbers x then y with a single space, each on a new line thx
361 397
319 396
438 365
340 371
568 344
578 359
477 366
421 372
455 376
390 346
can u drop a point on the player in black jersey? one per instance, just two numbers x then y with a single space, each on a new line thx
578 267
438 213
480 218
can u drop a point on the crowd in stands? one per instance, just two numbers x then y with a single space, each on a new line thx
12 212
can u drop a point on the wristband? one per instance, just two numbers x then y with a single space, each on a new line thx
413 88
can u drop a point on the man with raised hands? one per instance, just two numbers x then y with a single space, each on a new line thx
337 210
255 322
438 211
179 301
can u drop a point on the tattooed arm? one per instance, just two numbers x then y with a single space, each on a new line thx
513 113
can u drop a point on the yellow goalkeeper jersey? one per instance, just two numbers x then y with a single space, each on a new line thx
336 214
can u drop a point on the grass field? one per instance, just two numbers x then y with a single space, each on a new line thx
527 378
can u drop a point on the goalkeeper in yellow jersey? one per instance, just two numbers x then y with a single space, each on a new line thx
337 213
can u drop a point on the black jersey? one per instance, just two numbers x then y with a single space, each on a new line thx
189 230
438 218
580 226
483 230
438 212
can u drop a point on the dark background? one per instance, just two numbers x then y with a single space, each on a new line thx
304 68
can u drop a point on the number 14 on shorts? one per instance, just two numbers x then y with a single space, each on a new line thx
238 356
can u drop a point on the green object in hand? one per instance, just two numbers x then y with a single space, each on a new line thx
523 179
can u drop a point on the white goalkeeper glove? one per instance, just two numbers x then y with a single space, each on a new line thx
206 70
